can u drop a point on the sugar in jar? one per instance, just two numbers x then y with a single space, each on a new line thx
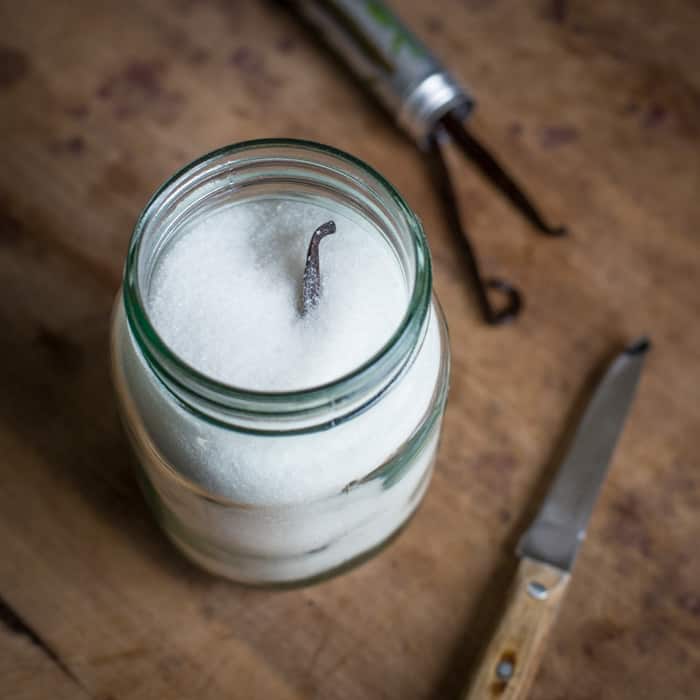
276 446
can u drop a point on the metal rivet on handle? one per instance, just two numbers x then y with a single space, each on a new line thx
504 670
537 590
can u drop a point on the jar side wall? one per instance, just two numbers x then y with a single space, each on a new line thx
244 543
273 470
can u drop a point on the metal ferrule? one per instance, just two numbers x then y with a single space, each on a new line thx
390 60
429 100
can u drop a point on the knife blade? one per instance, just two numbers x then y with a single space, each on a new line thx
548 548
560 527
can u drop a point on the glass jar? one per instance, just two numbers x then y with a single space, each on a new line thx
351 458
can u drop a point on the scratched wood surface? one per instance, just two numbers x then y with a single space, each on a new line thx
597 107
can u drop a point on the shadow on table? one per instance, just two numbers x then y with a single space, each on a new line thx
57 398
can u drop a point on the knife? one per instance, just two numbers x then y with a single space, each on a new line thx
547 550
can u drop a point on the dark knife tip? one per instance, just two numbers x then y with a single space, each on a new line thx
639 346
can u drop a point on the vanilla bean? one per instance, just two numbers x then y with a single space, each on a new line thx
312 272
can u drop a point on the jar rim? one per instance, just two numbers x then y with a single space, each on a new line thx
164 360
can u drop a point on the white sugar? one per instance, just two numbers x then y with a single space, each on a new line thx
226 296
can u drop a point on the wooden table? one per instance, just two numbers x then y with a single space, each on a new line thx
597 107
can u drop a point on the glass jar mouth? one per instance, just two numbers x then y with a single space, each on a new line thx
183 379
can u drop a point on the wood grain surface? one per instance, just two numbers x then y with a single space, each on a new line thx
596 106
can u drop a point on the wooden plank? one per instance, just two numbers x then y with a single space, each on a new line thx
596 107
28 672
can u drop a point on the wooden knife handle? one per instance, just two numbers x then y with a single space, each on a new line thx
509 665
